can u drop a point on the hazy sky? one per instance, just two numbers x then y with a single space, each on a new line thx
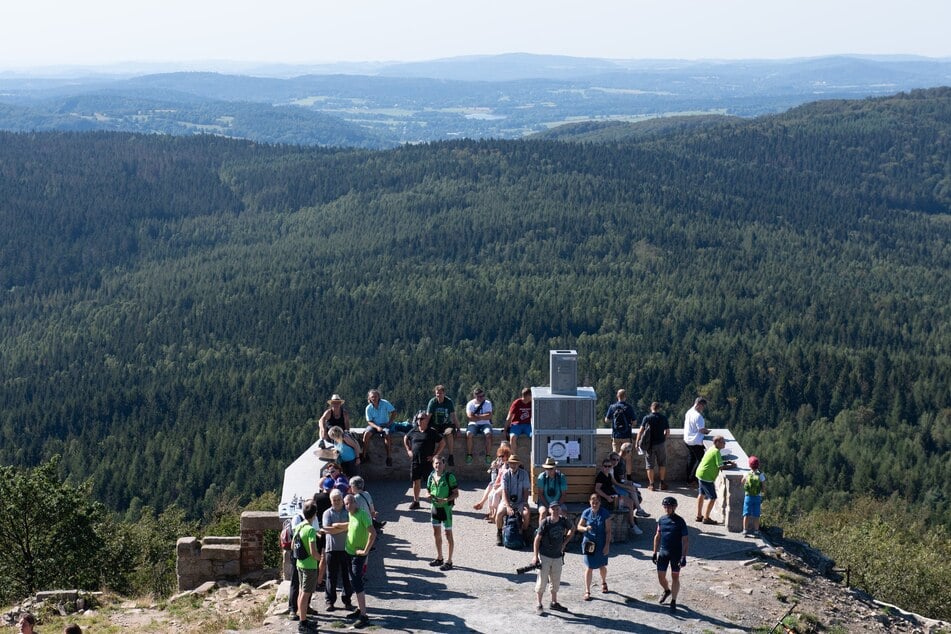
57 32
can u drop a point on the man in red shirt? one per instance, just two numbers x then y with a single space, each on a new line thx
519 420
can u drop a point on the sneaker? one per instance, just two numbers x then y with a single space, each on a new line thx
354 614
748 534
554 605
446 566
539 609
331 607
452 460
663 597
303 627
389 461
415 505
468 458
673 606
294 616
488 459
362 621
642 513
637 530
436 562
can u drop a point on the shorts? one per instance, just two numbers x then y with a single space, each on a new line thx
442 515
479 428
308 579
356 571
665 559
751 505
387 430
707 489
521 429
656 456
419 470
516 507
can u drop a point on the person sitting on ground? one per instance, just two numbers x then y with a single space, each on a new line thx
442 419
516 489
380 415
754 490
348 451
519 419
421 445
610 498
552 485
493 491
622 485
553 534
443 490
333 416
365 500
707 472
479 415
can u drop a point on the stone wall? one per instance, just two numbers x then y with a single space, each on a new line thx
238 558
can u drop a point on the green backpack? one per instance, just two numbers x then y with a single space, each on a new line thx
752 485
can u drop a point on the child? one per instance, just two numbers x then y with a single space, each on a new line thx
754 486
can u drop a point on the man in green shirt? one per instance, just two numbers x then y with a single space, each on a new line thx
443 491
307 566
360 538
707 473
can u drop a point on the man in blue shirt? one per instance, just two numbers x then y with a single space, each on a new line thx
670 549
380 415
622 418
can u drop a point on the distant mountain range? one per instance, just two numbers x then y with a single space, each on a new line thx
378 105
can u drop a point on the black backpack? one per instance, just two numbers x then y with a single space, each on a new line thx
620 424
300 551
512 532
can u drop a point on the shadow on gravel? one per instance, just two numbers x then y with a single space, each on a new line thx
413 621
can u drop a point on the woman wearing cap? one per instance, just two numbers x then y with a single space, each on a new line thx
595 527
333 416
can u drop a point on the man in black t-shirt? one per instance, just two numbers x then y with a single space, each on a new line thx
657 429
553 534
670 549
421 445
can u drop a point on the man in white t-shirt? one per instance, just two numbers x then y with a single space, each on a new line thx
694 429
479 415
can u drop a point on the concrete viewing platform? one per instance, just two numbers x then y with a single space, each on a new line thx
483 593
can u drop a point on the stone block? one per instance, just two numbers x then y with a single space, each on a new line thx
218 540
206 588
221 552
57 595
260 521
187 546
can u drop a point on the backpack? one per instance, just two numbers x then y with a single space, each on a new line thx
645 437
620 423
298 549
752 485
287 535
512 532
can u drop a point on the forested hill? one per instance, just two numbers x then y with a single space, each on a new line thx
174 310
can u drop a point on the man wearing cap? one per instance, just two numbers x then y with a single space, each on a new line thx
670 549
421 445
551 484
553 534
479 415
442 418
516 487
380 415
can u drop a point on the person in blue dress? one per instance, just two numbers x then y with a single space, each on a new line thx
595 528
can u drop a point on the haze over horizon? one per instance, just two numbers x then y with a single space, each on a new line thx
46 33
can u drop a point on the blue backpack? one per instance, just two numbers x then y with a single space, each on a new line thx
512 532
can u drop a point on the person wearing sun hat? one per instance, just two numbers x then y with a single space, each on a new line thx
333 416
516 487
552 485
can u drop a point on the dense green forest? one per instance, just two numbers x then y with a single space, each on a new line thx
174 310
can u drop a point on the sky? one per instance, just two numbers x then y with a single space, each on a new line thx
35 33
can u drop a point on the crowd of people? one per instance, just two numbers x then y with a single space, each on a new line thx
335 531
